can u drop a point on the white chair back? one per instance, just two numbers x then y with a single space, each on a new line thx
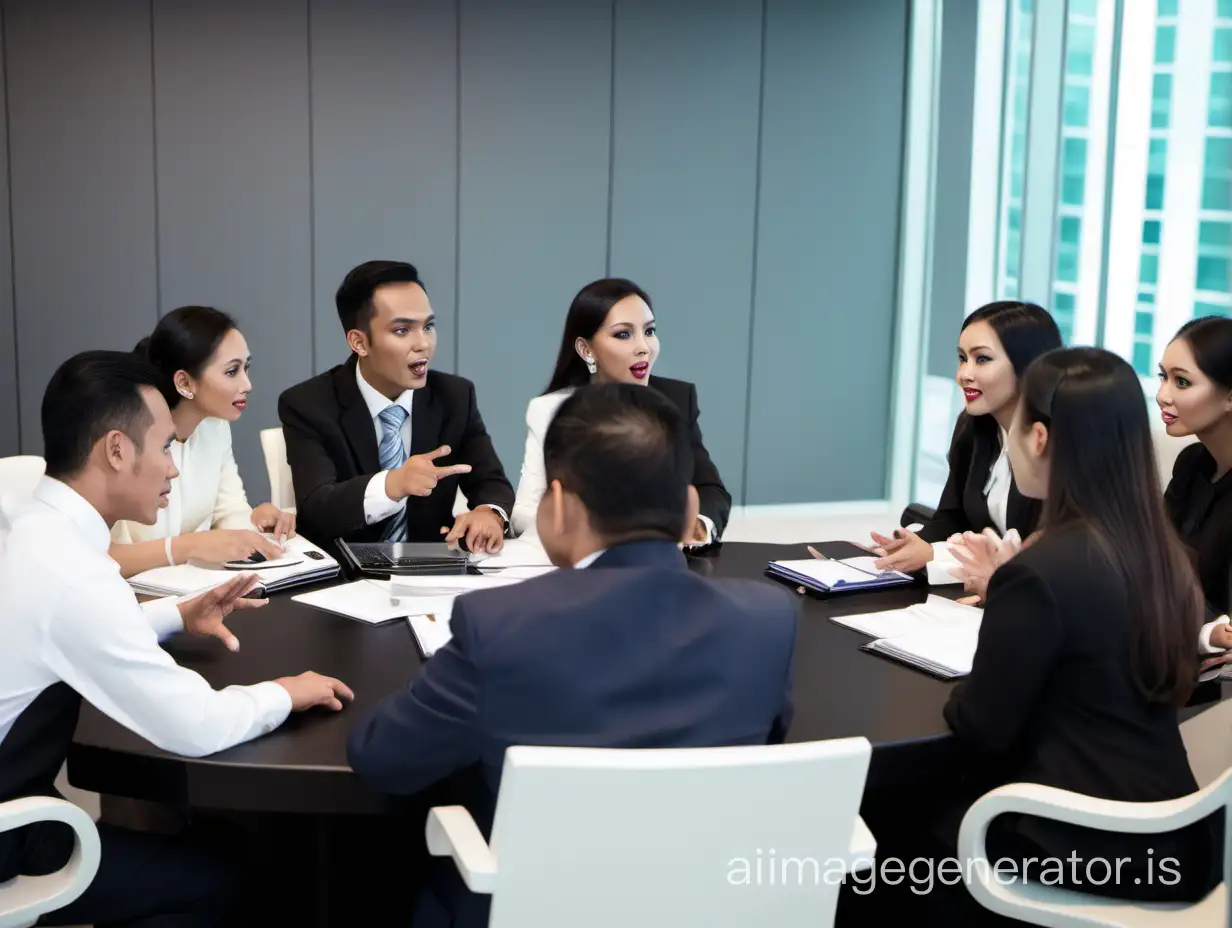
24 898
720 837
1208 741
274 447
19 475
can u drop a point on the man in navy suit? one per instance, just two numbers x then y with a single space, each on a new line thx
623 647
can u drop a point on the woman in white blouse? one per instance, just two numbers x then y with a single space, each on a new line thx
204 360
611 337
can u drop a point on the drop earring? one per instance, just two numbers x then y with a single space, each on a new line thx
590 365
187 394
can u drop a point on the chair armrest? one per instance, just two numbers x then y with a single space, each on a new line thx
28 897
451 832
861 853
916 513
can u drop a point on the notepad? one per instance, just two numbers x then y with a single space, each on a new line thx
193 578
835 576
935 614
948 653
364 600
431 631
519 553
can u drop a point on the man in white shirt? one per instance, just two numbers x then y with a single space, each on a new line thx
73 629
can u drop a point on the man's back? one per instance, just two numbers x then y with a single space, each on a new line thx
634 651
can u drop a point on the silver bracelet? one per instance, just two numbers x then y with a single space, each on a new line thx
167 548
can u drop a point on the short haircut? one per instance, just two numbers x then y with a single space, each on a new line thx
354 296
89 395
624 451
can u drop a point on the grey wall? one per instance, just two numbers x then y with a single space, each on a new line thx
739 158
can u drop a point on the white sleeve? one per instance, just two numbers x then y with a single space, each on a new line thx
940 566
377 505
533 482
164 616
1204 636
709 524
231 509
102 644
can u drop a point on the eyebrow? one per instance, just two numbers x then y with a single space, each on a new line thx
406 320
239 360
976 348
1174 370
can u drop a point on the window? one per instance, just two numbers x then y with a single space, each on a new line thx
1151 231
1155 173
1223 46
1148 270
1217 178
1165 44
1220 114
1073 171
1080 49
1170 7
1161 101
1014 145
1077 105
1211 309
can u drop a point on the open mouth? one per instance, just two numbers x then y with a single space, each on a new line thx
241 405
419 368
970 394
1168 417
640 369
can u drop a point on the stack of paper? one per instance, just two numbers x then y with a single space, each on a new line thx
431 631
938 636
412 586
304 563
835 576
364 600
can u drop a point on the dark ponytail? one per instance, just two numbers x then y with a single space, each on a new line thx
184 340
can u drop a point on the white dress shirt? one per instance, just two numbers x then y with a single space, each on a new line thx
997 494
207 494
377 505
533 482
68 616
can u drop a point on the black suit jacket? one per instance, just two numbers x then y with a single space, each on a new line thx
963 507
1051 700
1202 513
713 496
563 659
332 450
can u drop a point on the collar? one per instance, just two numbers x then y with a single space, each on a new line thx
665 554
64 499
375 400
589 559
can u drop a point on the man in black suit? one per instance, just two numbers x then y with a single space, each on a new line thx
623 647
378 446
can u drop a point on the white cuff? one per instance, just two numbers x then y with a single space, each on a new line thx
710 532
164 616
1204 636
496 509
377 505
273 704
940 566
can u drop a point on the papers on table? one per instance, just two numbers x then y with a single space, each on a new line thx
518 553
411 586
296 569
365 600
938 636
431 631
834 576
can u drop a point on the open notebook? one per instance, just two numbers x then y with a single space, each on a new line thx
938 636
836 576
304 563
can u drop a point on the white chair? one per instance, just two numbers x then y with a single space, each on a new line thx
274 447
1208 740
719 837
1049 905
19 475
24 898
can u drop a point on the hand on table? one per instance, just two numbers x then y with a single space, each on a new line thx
219 546
310 689
483 529
270 519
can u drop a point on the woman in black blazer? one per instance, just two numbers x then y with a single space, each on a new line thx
1086 646
611 337
995 346
1195 398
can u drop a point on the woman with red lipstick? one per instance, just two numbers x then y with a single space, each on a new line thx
610 337
1195 398
204 360
996 345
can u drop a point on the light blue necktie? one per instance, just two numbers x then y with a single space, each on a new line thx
393 455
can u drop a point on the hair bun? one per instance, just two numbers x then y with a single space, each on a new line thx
143 348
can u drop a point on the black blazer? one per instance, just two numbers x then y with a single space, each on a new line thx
1050 700
1202 514
561 660
332 450
713 496
963 507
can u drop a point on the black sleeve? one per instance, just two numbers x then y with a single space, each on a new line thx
486 483
1020 641
713 496
326 509
950 517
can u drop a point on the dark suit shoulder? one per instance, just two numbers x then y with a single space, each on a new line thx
1074 566
678 391
964 439
1192 461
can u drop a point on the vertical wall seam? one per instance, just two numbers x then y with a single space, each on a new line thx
457 190
611 147
8 168
312 194
158 274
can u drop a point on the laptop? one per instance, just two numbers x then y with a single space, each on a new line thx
396 558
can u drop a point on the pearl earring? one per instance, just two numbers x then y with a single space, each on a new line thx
187 394
590 365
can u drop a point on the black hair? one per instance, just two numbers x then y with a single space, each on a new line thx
354 296
586 314
1025 330
1102 475
184 340
89 395
624 451
1210 340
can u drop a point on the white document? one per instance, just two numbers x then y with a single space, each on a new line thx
936 614
517 552
431 631
947 653
408 587
365 600
192 578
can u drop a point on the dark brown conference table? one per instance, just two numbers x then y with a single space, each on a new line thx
840 691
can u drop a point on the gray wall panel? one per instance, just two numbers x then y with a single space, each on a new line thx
684 179
232 117
827 250
947 305
10 431
82 175
536 93
384 150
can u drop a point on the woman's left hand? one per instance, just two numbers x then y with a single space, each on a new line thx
270 519
979 556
